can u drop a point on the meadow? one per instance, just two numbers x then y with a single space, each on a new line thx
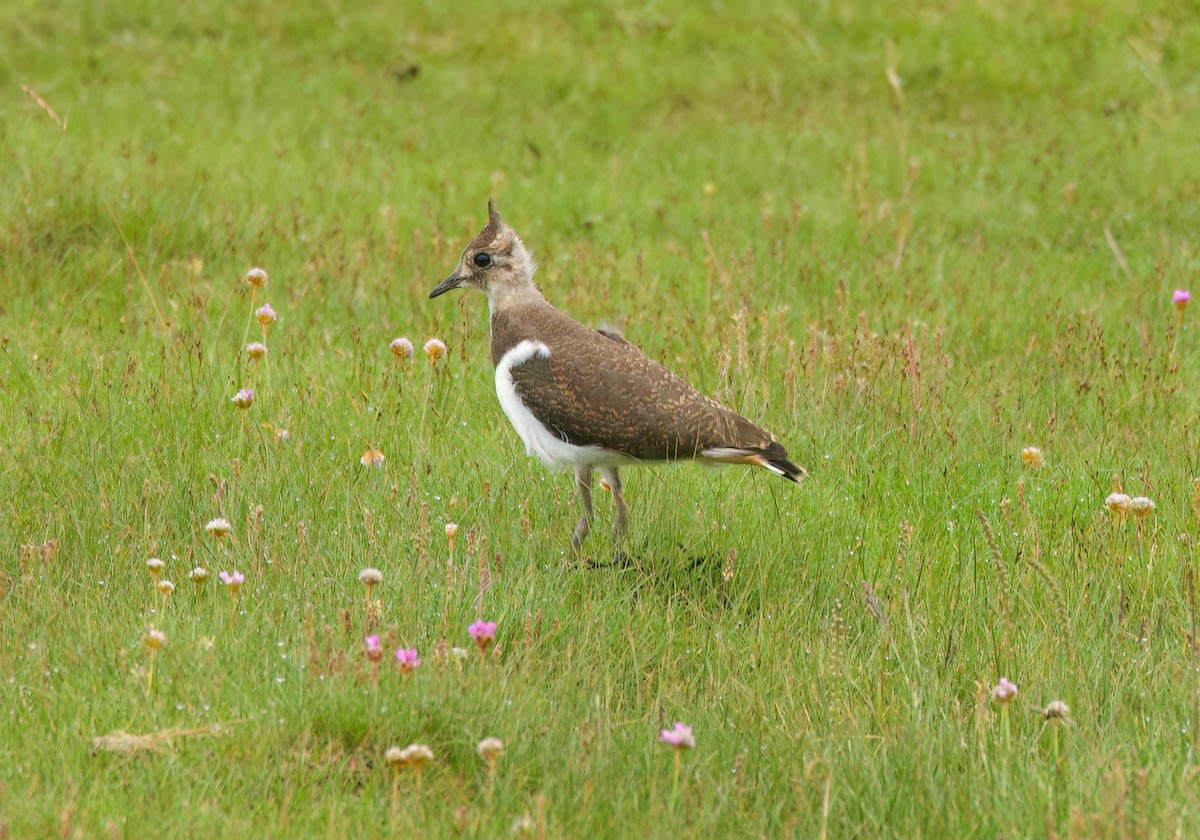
917 241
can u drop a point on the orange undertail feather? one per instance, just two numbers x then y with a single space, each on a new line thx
773 459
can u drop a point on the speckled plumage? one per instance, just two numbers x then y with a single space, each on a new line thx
595 390
599 395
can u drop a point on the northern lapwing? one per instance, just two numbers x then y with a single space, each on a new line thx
588 399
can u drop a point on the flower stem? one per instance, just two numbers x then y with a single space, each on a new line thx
675 784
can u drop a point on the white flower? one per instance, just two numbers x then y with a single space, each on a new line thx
154 565
402 347
1056 710
435 349
370 577
166 587
1141 506
416 755
155 639
490 749
1118 503
218 527
256 350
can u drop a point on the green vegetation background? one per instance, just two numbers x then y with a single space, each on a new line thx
911 239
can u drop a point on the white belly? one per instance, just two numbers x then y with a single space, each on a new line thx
540 441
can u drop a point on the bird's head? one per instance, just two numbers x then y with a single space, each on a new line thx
495 262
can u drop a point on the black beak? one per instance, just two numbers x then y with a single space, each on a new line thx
451 282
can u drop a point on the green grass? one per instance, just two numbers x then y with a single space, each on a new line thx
907 285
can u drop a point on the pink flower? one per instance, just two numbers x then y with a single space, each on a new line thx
256 277
679 738
243 398
374 649
408 659
1005 691
234 581
265 314
402 348
1181 298
483 632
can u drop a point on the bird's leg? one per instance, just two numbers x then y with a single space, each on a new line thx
612 478
583 485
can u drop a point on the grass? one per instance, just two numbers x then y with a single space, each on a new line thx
910 240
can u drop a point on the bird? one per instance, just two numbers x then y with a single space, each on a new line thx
588 399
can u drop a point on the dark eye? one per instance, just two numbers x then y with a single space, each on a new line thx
483 260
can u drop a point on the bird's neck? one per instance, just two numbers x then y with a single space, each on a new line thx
512 296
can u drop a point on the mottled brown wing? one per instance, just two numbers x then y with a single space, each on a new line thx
615 397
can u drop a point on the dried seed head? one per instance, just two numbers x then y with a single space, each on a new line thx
218 527
490 749
1118 503
154 639
416 755
1141 506
435 349
1031 457
1056 710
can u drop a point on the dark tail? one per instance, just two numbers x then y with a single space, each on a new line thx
773 458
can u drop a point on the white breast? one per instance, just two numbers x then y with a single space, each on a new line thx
540 441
